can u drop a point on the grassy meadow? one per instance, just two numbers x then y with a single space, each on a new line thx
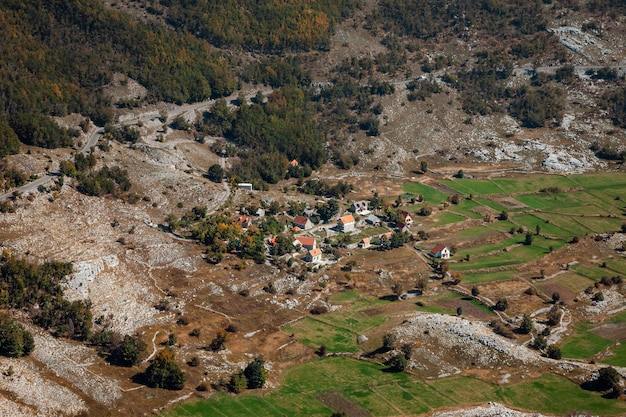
368 386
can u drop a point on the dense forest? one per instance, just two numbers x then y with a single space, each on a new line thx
264 26
37 287
57 54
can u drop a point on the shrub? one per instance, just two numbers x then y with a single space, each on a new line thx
526 326
501 329
219 341
553 352
319 310
501 305
238 383
397 363
554 315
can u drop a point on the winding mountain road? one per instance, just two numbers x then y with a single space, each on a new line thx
33 185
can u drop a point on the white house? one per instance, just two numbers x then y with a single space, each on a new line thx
440 251
314 255
346 223
365 243
405 217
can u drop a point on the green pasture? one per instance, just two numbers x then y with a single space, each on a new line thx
338 330
571 224
583 344
594 272
490 247
601 181
530 183
344 296
619 318
572 281
466 208
446 217
385 393
557 395
479 278
475 187
601 224
619 356
431 195
314 333
530 222
490 203
617 264
518 255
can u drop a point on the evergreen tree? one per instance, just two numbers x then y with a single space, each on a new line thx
15 341
163 372
255 373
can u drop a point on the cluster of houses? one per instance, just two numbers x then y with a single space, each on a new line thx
346 224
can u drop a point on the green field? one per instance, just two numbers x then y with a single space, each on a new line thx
583 344
338 330
530 183
448 218
477 278
385 393
618 358
466 208
572 281
475 187
592 272
518 255
530 222
431 195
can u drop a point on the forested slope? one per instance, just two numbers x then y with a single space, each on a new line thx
57 54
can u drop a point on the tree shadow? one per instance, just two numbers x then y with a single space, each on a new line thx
140 378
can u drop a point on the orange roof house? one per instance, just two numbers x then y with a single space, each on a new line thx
244 221
314 255
346 223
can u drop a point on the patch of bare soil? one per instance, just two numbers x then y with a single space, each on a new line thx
469 309
340 404
564 293
615 331
398 306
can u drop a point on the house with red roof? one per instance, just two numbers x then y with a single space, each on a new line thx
302 222
405 217
244 221
440 251
306 242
